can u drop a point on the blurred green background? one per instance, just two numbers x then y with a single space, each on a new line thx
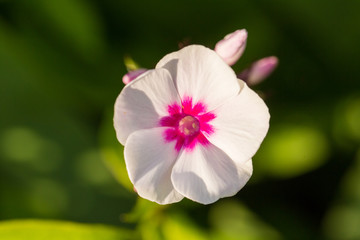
61 64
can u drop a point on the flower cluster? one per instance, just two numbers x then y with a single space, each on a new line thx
230 49
190 127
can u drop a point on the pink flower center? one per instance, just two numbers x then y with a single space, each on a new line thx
187 124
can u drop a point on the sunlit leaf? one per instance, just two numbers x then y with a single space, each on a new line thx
178 227
290 151
130 64
57 230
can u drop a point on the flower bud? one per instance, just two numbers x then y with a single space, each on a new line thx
259 70
130 76
232 46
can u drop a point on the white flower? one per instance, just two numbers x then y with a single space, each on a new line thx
190 128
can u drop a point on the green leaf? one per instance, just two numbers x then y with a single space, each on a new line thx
74 22
130 64
346 126
232 220
58 230
342 220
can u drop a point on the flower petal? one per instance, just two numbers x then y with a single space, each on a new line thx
201 74
149 161
143 102
240 125
170 62
206 174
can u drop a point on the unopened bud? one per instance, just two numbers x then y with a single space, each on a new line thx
232 46
130 76
259 70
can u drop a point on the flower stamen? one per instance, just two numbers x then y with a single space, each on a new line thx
189 125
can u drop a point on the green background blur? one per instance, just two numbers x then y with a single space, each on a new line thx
61 64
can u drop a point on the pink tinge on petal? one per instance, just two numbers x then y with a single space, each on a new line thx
130 76
189 124
189 108
232 46
174 109
207 128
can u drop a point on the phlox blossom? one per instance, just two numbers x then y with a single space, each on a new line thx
190 128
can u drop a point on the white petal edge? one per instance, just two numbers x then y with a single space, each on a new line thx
240 125
143 102
149 162
206 174
200 73
169 62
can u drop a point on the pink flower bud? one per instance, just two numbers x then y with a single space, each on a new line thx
232 46
130 76
259 70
